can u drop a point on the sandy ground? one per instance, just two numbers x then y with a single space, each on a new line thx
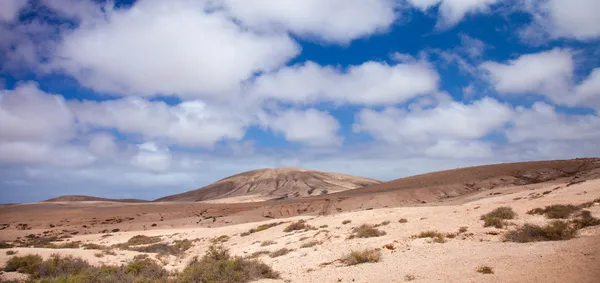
576 260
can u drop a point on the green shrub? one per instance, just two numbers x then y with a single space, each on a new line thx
364 256
218 266
24 264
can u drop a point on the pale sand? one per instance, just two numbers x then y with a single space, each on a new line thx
576 260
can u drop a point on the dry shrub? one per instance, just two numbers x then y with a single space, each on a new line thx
280 252
463 229
503 212
11 252
267 243
346 222
258 254
142 240
585 219
497 216
366 231
69 245
261 228
554 231
218 266
177 248
299 225
364 256
485 269
310 244
91 246
427 234
402 220
557 211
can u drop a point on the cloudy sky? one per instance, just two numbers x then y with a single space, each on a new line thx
148 98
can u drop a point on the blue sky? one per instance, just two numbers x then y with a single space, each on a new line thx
148 98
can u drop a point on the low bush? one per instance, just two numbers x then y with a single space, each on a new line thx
402 220
497 216
346 222
364 256
218 266
554 231
299 225
142 240
557 211
267 243
366 231
24 264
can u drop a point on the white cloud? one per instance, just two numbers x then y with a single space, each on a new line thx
454 149
169 47
452 121
548 72
9 9
103 145
370 83
331 20
153 158
82 10
453 11
577 19
190 123
32 152
28 114
542 122
588 91
310 127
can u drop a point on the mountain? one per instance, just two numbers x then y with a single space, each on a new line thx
278 183
89 198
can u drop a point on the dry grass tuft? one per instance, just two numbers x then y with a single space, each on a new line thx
11 252
280 252
258 254
310 244
267 243
177 248
402 220
346 222
261 228
364 256
366 231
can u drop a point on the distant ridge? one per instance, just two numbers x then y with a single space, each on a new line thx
274 183
74 198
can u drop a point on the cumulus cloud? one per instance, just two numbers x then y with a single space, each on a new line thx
542 122
452 12
370 83
453 121
311 127
331 21
577 19
190 123
28 114
168 47
550 73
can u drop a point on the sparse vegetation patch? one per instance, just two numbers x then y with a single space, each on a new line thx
485 269
366 231
280 252
557 211
310 244
497 216
363 256
554 231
